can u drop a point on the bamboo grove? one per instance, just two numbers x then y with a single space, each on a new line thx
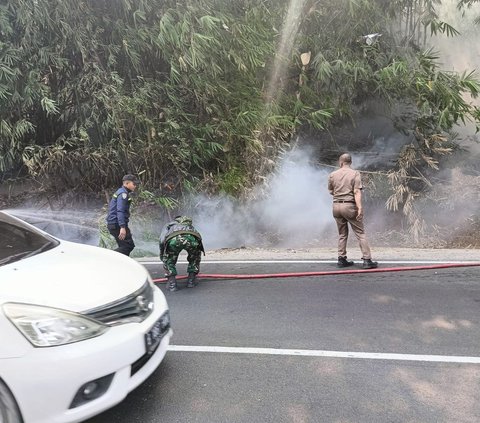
202 94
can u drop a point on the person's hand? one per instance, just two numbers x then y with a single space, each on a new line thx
122 234
360 214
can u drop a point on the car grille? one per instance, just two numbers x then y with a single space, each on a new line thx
132 309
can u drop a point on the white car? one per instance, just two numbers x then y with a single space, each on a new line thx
80 326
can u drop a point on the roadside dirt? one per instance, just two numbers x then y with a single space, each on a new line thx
331 254
354 254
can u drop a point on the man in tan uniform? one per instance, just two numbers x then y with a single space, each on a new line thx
345 185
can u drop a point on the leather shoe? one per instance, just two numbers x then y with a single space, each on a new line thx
369 264
343 262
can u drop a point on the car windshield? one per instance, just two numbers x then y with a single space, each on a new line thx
19 240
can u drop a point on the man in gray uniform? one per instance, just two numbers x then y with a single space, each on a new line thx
345 185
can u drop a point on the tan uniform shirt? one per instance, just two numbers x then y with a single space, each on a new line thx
343 182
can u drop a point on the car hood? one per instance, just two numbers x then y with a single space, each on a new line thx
71 276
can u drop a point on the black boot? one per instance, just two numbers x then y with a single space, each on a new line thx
369 264
172 284
192 280
343 262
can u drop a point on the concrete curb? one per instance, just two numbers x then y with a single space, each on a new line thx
331 254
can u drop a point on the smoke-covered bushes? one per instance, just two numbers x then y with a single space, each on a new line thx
206 93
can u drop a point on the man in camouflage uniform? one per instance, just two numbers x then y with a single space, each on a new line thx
178 235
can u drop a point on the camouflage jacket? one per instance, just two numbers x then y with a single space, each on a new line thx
180 226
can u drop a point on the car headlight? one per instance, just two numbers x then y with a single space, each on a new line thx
49 327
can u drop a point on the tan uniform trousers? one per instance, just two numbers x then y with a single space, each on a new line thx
345 213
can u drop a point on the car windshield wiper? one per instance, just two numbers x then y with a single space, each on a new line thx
14 257
39 250
25 254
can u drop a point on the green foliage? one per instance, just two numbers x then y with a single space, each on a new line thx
209 91
167 203
442 27
105 240
467 3
233 181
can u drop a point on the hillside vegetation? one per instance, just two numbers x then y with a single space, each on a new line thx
202 95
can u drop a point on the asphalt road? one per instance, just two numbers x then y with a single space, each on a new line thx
433 314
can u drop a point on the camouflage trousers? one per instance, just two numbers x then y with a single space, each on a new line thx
186 242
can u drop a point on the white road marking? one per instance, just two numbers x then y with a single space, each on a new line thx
317 261
321 353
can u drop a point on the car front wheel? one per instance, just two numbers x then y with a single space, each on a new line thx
9 412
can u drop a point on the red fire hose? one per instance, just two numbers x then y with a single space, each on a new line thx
327 273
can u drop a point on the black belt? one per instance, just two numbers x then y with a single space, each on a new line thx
344 201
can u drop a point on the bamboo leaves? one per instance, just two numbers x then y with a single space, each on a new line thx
190 90
49 106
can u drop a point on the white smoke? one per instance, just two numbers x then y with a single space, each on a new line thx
292 209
